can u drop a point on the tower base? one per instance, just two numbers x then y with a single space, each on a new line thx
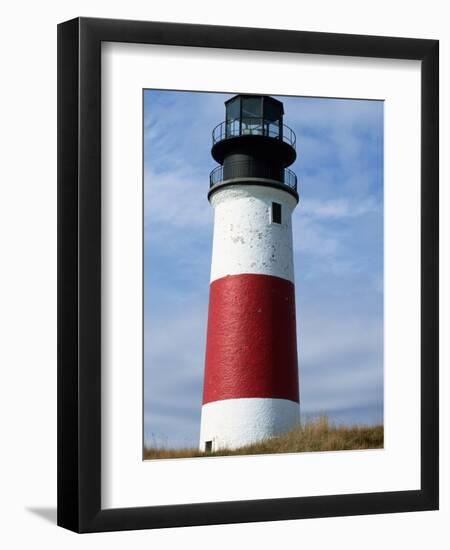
233 423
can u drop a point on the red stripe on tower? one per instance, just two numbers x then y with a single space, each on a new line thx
251 348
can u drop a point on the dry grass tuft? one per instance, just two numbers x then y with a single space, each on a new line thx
314 435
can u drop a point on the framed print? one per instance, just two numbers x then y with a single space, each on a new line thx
248 275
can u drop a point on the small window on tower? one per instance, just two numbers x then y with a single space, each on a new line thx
276 212
208 446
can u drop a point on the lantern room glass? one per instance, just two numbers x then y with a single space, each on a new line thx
233 113
251 117
254 115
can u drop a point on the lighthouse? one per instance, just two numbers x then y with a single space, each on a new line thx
250 388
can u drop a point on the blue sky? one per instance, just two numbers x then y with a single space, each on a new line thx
338 257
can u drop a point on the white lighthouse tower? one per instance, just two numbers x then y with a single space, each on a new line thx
250 387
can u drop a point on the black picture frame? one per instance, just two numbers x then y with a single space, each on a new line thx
79 274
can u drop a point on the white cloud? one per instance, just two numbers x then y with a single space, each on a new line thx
340 358
173 372
177 199
339 208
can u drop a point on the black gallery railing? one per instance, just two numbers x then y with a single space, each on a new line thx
253 127
246 169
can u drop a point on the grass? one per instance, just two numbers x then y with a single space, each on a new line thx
314 435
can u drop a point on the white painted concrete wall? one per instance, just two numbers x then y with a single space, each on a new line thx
232 423
245 240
